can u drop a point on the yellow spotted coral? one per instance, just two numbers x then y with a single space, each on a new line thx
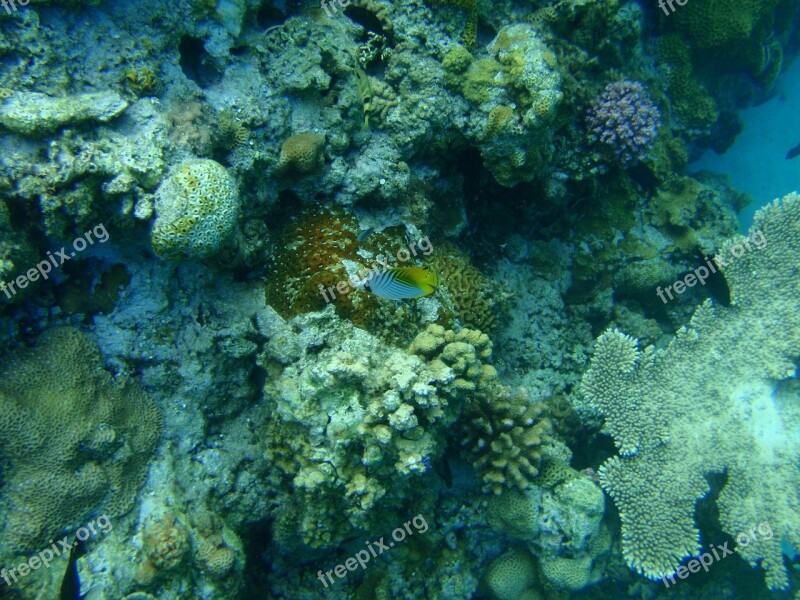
196 207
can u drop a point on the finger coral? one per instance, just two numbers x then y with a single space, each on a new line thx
675 420
79 443
507 437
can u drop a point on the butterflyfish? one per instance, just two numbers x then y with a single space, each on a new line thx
400 283
364 91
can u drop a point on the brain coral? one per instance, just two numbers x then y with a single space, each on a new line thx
77 442
301 154
722 397
196 210
477 300
510 575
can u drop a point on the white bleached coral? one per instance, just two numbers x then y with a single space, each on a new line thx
32 113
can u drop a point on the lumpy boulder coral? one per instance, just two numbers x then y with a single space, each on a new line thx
196 207
675 420
301 154
77 442
517 90
511 575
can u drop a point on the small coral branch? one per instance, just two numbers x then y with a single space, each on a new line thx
506 437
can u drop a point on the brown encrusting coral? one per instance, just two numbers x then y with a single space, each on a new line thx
308 255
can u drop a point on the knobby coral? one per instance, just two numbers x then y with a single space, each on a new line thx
675 419
507 437
624 119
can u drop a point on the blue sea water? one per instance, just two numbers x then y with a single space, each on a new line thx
756 162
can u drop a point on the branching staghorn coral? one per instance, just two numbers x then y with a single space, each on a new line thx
676 420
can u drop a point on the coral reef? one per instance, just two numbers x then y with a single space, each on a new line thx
107 432
624 120
196 208
278 151
675 420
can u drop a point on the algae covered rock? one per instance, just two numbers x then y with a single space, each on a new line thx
196 208
518 90
32 113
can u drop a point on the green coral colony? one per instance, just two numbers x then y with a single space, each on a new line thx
217 384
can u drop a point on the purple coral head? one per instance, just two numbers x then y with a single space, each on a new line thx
624 119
